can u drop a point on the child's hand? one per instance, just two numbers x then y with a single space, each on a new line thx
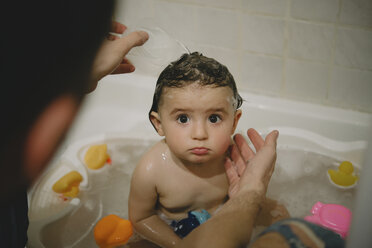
110 57
250 171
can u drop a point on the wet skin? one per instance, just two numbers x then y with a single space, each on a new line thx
184 171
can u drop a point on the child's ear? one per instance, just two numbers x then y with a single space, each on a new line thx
156 122
238 114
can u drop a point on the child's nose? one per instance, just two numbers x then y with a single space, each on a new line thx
199 131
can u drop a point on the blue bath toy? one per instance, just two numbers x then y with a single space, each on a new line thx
194 219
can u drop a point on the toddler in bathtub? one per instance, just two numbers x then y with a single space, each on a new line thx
181 180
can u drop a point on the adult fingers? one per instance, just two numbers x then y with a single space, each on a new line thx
136 38
125 61
124 68
117 27
238 160
244 149
256 139
269 149
272 138
112 37
232 174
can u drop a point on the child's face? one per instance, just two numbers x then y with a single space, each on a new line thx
197 121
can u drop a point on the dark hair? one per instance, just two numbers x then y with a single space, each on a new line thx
194 68
47 50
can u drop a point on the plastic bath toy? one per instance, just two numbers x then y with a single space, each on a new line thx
112 231
332 216
68 185
96 157
344 177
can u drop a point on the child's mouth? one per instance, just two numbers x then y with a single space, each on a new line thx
199 150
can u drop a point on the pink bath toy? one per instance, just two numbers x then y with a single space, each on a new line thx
332 216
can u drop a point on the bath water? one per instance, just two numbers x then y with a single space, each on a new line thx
299 181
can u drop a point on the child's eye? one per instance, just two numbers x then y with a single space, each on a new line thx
214 118
183 119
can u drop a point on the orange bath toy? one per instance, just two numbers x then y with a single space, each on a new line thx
96 156
68 185
112 231
344 176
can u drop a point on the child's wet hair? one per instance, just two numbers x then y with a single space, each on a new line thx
194 68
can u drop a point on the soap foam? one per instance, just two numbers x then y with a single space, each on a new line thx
300 180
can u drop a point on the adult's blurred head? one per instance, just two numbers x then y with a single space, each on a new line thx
47 51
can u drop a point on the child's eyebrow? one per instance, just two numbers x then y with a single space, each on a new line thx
221 110
176 110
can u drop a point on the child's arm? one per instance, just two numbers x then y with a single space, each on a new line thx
142 202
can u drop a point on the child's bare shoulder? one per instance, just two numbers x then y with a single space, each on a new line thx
151 160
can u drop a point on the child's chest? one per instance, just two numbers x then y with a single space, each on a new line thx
185 192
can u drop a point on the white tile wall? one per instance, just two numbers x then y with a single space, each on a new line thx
351 87
354 48
263 34
268 7
310 41
261 73
307 80
356 12
317 10
231 4
182 24
130 11
217 27
310 50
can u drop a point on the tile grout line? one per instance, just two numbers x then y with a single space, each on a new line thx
333 51
283 92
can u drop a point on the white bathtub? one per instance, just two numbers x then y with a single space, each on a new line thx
118 112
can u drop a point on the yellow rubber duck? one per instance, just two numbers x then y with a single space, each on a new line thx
344 176
96 156
112 231
68 185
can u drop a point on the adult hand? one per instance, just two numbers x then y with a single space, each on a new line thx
110 57
250 171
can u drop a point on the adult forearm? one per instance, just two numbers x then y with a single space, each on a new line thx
157 231
230 227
